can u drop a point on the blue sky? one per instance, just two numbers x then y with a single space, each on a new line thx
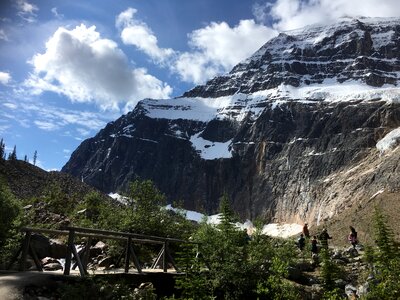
69 67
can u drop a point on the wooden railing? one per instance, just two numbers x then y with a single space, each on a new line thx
164 256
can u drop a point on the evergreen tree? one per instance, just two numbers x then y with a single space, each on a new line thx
26 158
227 215
13 154
34 157
385 262
2 149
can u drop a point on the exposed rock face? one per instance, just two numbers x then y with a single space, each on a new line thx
365 49
289 134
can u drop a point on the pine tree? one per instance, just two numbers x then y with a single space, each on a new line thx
34 157
13 154
26 158
384 237
2 149
227 215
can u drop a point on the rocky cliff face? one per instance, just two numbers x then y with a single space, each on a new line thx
301 130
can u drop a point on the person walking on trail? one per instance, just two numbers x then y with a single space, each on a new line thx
353 237
301 242
306 232
324 237
314 246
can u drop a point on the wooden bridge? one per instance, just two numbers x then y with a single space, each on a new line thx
81 259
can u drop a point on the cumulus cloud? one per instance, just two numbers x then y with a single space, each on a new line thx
5 78
218 47
87 68
138 34
292 14
215 48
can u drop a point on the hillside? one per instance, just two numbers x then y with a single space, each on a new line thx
27 181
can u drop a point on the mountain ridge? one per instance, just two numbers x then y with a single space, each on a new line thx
264 135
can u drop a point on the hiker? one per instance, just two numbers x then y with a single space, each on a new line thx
314 247
306 232
353 237
301 242
324 237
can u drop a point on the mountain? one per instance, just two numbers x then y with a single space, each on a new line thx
304 129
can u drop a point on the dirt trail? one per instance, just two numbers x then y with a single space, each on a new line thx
12 284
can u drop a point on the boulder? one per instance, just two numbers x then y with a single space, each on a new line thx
106 262
53 267
58 249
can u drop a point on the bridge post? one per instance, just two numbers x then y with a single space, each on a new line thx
25 250
67 266
127 254
164 258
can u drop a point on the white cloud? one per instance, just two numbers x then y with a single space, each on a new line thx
10 105
27 10
83 132
218 48
292 14
5 78
137 33
215 48
3 35
46 125
56 14
4 128
87 68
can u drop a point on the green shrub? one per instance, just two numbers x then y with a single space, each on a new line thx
10 223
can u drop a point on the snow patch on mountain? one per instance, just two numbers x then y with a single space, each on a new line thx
211 150
240 105
273 229
389 141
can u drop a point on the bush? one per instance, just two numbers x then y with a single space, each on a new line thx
10 223
235 267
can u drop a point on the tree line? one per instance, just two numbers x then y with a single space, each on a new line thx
13 154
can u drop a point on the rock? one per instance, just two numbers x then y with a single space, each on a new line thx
58 249
106 262
98 249
352 252
145 291
49 260
53 267
41 245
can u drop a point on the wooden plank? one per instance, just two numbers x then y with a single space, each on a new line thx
78 260
157 261
135 259
127 254
107 234
117 264
127 234
164 258
86 256
25 249
33 254
67 267
170 258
